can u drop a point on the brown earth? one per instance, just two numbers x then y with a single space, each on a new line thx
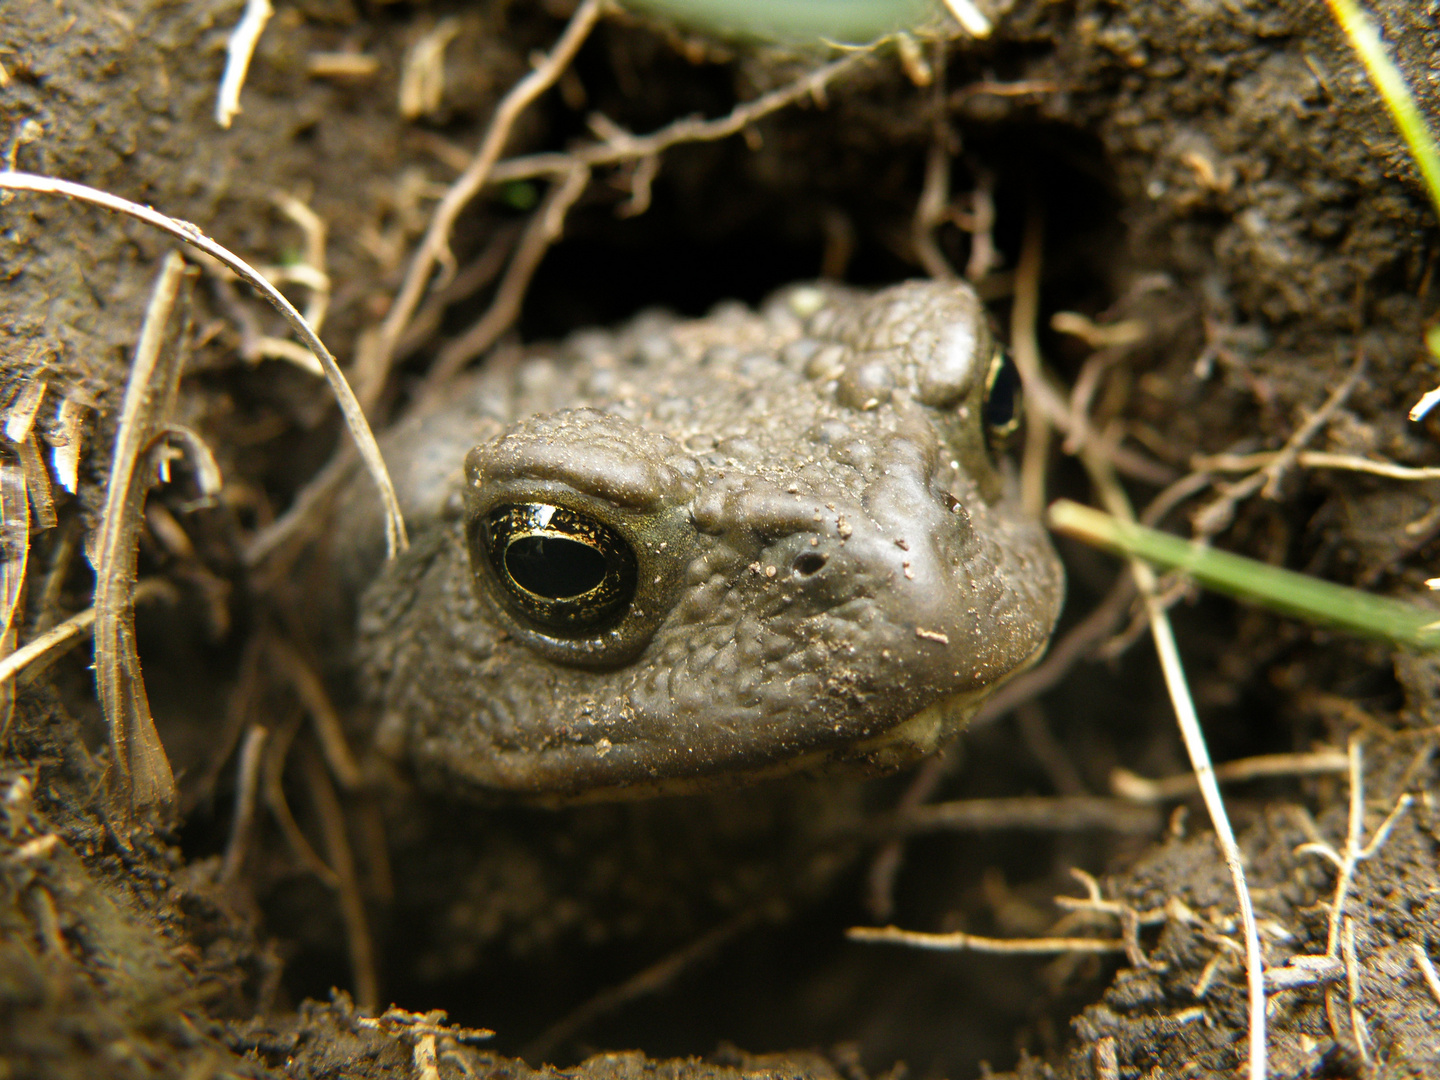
1219 171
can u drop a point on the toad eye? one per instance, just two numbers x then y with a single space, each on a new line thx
560 568
1001 408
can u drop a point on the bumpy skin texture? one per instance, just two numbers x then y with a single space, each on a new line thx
826 550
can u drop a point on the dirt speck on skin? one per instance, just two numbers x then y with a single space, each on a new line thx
1221 173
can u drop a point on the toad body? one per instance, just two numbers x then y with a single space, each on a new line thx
691 554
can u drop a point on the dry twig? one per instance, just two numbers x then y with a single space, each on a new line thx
68 632
1218 515
1356 850
191 234
1129 785
1064 813
960 942
435 247
544 229
619 146
238 51
616 146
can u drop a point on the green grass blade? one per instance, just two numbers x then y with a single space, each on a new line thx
1308 598
855 21
1395 92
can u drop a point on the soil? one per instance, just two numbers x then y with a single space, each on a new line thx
1220 173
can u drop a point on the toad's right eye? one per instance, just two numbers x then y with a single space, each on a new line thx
559 568
1002 399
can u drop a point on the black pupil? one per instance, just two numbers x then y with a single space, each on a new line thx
554 567
1004 392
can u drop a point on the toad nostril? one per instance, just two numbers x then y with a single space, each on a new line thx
809 563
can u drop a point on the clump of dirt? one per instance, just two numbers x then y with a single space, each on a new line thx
1218 180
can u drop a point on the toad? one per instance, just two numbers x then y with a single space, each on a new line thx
693 554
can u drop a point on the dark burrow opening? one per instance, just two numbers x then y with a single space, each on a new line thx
728 221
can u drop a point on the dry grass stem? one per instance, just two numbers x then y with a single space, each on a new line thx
316 493
1128 785
477 274
932 209
311 274
1107 335
1207 975
975 22
980 224
355 66
66 439
191 234
888 858
315 700
1130 919
143 777
1049 752
1046 409
363 968
1044 813
37 484
1113 497
1102 458
1187 487
20 415
238 51
1315 459
435 247
247 786
1303 971
1427 969
1352 984
200 458
279 806
1194 739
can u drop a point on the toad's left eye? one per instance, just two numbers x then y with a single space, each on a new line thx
1001 409
560 568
